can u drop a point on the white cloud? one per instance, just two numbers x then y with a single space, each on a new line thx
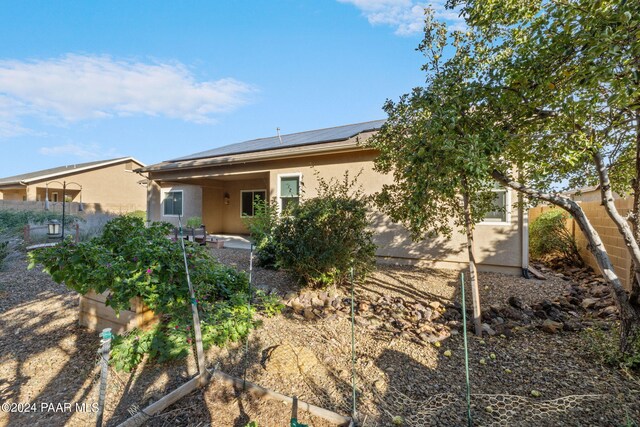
407 16
82 151
81 87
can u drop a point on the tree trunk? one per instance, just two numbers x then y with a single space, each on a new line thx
630 330
634 296
473 272
629 317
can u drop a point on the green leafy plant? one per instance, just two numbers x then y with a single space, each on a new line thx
270 305
138 214
4 251
549 237
261 227
320 239
130 260
13 222
604 346
194 222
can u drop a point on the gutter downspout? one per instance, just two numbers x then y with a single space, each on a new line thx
524 236
149 183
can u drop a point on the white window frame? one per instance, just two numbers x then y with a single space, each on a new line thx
288 175
54 196
252 200
163 196
508 208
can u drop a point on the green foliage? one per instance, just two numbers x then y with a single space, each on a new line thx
130 260
604 346
261 226
270 305
431 145
549 237
562 78
252 424
320 239
194 222
13 222
138 214
4 251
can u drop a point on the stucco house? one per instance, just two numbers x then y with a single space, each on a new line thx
220 185
104 186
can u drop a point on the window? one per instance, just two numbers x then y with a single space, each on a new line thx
248 199
172 203
288 190
501 207
54 197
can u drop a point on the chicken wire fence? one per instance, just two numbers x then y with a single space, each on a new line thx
494 410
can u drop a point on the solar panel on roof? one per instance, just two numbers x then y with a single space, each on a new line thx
338 133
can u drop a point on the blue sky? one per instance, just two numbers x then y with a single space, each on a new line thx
83 81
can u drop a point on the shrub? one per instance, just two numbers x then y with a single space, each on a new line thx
604 346
13 222
138 214
4 251
130 260
320 239
194 222
549 237
261 226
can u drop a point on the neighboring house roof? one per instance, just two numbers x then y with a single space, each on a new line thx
299 139
583 190
27 178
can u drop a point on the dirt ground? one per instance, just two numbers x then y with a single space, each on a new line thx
46 359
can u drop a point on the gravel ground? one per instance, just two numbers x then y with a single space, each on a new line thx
46 358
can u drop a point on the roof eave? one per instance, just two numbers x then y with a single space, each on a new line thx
264 155
76 170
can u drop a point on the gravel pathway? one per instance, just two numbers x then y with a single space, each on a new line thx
46 357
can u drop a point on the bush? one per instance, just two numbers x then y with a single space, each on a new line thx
138 214
604 346
320 239
4 251
130 260
549 237
194 222
261 226
12 222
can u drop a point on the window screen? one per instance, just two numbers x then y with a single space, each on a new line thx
173 203
289 191
499 211
248 200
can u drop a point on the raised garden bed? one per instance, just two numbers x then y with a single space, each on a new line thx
95 315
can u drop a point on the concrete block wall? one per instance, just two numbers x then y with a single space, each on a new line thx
613 241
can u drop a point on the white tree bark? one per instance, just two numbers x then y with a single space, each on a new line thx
629 317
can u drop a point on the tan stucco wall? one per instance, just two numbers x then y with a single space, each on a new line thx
191 199
498 247
212 208
110 188
12 195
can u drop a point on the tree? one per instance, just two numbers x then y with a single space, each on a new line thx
440 165
563 84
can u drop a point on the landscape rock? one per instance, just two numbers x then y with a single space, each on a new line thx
517 302
551 327
488 330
